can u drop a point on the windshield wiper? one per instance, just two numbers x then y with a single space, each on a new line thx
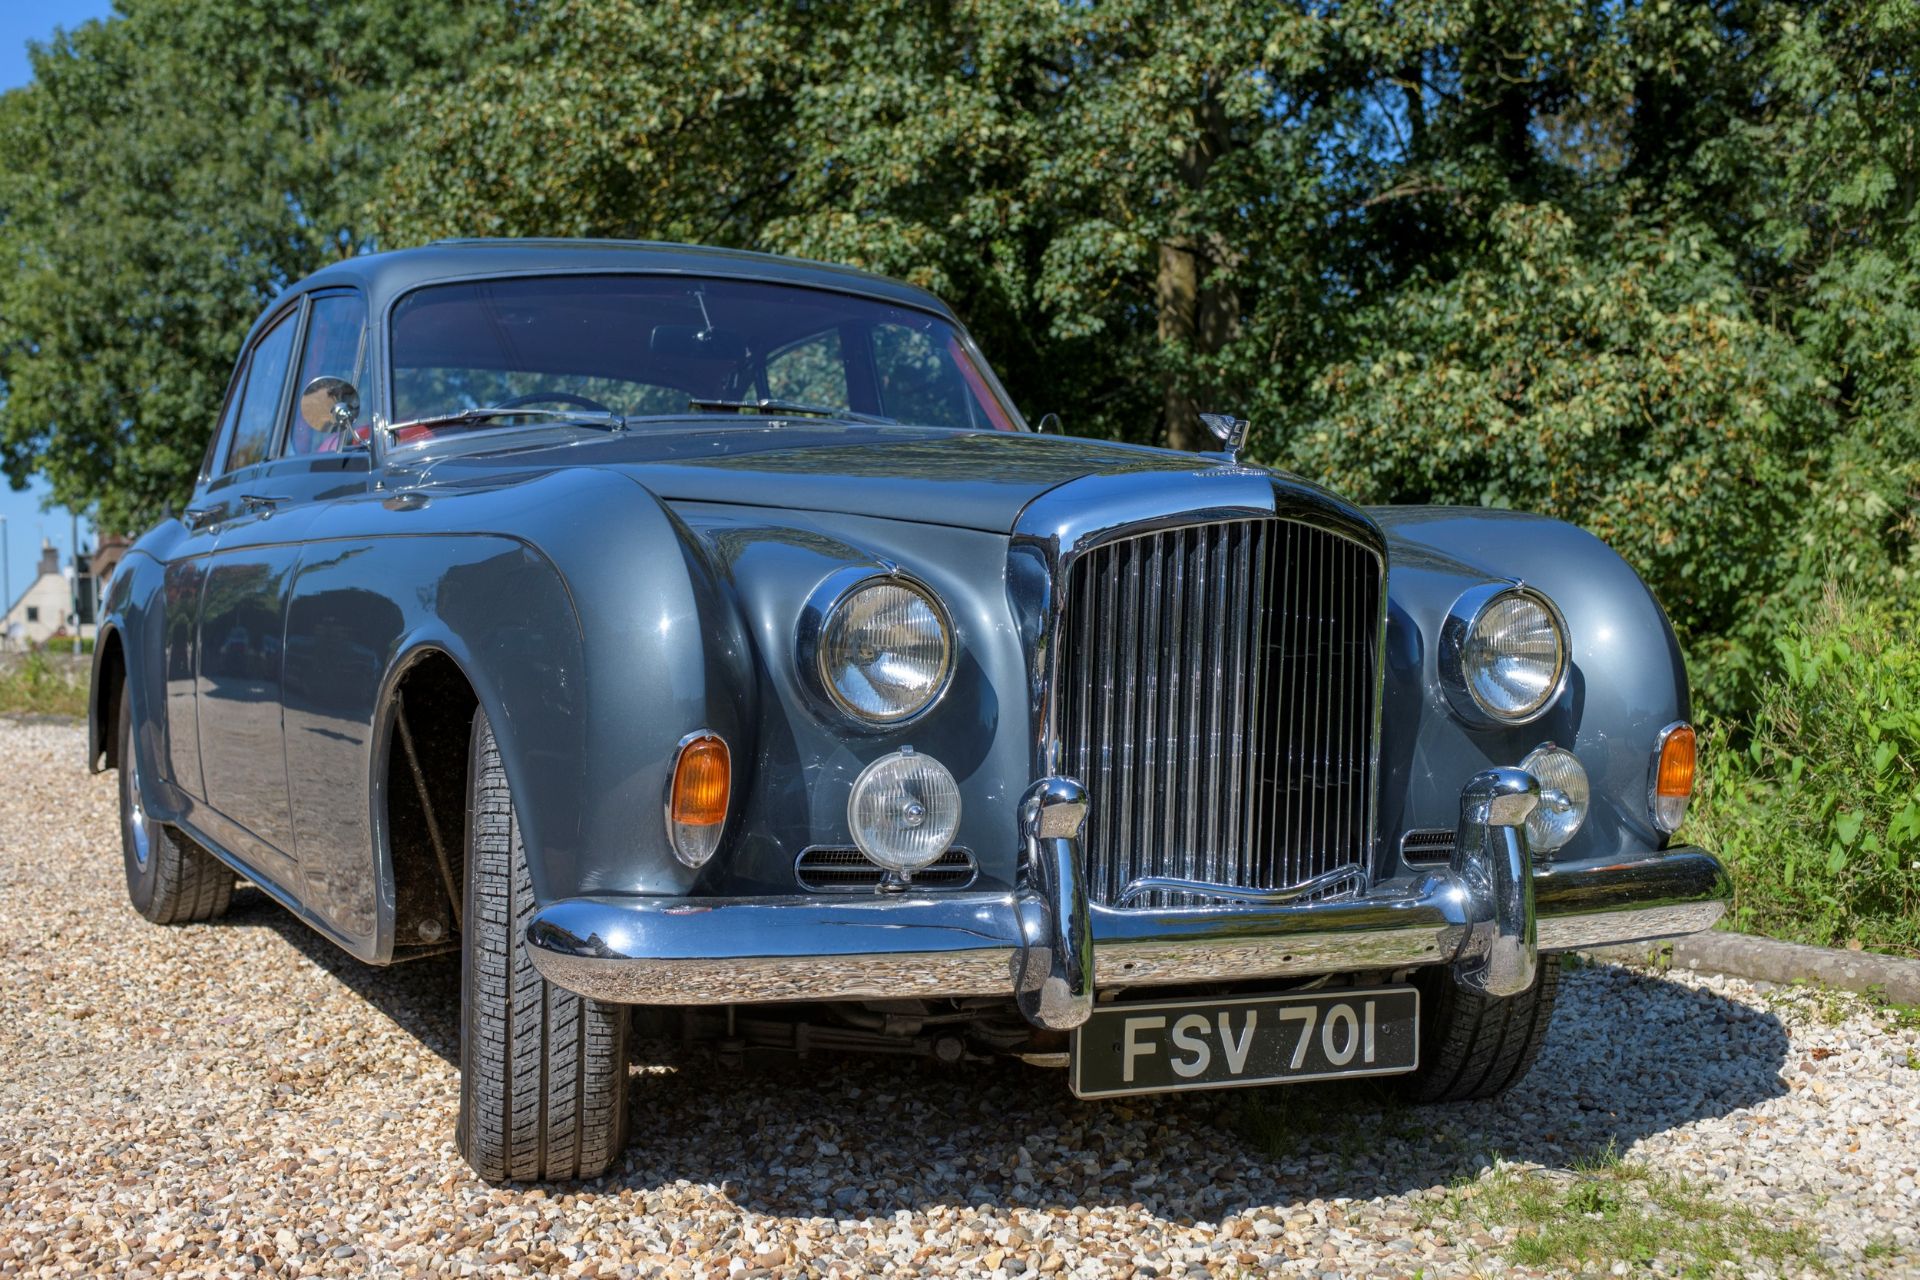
779 408
481 413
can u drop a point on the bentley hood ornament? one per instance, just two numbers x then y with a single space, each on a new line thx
1232 432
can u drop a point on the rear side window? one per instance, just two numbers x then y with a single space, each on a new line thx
336 348
260 397
810 372
918 381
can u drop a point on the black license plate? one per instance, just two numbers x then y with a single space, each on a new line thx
1219 1044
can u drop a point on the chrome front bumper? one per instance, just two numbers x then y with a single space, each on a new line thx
1489 914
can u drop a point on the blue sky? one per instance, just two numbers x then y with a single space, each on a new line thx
27 523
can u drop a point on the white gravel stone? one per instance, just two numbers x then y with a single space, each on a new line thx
241 1098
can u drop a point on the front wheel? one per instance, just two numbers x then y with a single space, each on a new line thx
543 1072
1477 1046
170 879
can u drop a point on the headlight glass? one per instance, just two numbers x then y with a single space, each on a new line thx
1564 796
885 651
1513 655
904 811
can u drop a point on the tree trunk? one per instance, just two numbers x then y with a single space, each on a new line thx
1177 293
1192 317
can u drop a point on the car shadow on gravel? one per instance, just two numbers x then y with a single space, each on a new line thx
1629 1055
422 997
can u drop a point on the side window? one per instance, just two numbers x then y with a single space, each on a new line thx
209 465
918 381
260 399
336 348
811 371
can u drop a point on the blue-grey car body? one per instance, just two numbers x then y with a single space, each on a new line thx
607 593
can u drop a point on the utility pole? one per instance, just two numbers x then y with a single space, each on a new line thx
73 579
6 586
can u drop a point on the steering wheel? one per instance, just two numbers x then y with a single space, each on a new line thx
557 397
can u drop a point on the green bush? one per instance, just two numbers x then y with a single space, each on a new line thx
1818 815
66 644
1615 377
39 685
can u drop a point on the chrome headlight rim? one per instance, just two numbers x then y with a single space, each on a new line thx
817 614
1462 618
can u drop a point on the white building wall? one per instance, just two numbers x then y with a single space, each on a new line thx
40 611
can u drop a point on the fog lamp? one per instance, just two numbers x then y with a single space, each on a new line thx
1564 796
904 811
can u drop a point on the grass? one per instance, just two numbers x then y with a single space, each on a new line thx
1607 1210
39 685
1581 1220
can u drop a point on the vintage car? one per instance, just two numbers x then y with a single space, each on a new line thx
702 641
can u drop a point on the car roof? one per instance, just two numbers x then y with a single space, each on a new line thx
384 276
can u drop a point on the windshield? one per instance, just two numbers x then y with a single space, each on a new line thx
657 346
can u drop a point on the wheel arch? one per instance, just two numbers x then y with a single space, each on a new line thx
437 687
103 698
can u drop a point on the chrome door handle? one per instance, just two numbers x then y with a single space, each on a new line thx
198 518
261 501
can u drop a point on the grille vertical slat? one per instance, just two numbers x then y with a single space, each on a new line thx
1216 693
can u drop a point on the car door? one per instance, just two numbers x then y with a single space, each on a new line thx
185 578
275 479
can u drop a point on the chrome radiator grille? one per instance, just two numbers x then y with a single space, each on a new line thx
1215 693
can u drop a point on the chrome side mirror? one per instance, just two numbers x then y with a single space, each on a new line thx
1049 424
329 405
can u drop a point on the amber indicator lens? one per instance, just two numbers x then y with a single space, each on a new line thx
1676 765
1672 779
701 781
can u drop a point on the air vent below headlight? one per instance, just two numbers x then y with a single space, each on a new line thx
1426 845
823 869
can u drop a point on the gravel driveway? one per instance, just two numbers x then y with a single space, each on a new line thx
239 1097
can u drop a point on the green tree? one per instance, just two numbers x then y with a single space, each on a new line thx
167 172
1649 266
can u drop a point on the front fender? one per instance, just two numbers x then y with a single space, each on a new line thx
595 635
1627 679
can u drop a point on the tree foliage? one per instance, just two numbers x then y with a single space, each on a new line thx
163 176
1647 266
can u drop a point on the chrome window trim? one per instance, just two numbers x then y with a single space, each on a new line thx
1458 625
809 660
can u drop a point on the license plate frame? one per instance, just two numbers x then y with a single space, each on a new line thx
1279 1050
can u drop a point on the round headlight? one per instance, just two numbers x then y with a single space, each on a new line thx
1564 796
904 811
885 650
1507 651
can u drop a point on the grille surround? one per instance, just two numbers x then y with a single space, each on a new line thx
1241 756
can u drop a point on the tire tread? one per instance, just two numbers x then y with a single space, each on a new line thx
543 1070
1476 1046
188 885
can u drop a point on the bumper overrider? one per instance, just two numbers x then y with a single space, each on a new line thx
1490 914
